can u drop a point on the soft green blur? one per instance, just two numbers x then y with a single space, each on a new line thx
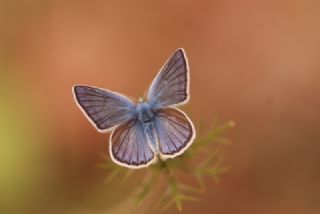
23 161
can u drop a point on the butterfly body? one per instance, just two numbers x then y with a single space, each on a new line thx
151 129
150 132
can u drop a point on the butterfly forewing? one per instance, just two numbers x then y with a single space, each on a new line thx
129 146
104 109
175 131
170 87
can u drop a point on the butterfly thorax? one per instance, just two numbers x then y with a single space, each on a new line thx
144 112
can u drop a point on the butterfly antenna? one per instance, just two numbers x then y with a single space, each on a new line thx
145 94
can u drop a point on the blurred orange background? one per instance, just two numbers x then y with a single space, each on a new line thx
254 62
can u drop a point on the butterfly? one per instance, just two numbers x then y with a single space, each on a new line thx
150 129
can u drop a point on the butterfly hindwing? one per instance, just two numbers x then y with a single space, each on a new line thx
175 131
105 109
129 146
171 85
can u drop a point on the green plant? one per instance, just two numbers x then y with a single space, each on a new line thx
202 159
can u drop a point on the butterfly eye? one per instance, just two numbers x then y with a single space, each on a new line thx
147 120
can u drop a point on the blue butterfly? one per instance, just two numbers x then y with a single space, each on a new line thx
150 129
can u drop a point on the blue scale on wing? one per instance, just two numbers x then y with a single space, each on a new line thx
174 130
130 145
104 108
170 86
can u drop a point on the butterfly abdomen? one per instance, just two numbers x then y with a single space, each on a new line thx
150 132
146 119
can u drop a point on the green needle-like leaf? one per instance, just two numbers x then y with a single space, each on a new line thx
201 160
141 196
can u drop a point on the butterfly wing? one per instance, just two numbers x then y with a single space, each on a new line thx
103 108
129 146
175 132
171 85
